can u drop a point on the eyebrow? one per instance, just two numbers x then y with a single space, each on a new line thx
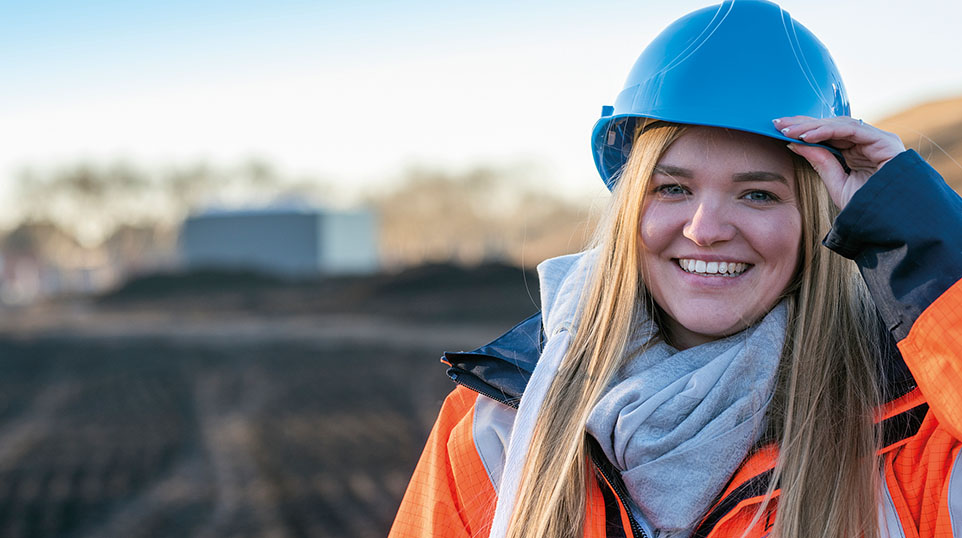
760 175
669 170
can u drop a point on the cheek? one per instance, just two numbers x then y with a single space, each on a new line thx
780 242
654 230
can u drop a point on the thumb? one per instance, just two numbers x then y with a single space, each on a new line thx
827 167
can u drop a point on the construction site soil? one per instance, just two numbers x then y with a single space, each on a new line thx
234 405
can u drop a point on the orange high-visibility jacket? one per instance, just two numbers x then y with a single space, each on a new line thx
904 229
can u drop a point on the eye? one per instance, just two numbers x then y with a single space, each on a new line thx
671 190
760 196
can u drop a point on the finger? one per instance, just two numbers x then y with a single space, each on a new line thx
796 123
798 128
843 134
788 121
795 120
794 126
822 133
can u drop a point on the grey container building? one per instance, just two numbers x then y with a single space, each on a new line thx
284 242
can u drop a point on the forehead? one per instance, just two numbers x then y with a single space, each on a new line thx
715 149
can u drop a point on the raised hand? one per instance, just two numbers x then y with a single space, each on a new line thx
864 147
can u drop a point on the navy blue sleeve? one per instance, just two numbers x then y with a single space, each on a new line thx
904 230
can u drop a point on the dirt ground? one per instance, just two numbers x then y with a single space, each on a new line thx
218 405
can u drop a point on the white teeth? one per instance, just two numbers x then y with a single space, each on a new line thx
712 268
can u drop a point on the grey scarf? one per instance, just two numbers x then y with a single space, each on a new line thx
678 423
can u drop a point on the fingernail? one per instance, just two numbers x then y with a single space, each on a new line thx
777 122
785 131
791 147
802 136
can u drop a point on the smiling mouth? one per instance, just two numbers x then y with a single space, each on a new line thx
701 267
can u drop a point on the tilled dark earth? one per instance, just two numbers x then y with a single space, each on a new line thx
249 410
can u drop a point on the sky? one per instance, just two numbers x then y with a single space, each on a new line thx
356 93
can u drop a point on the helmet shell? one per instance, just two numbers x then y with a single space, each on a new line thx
736 65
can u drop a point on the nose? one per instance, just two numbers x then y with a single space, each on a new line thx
709 224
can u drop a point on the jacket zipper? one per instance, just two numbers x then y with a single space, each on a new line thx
480 388
636 530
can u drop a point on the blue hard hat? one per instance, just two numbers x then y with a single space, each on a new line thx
737 65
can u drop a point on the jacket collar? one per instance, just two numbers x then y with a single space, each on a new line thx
501 369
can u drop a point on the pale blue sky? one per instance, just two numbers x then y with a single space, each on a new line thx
353 92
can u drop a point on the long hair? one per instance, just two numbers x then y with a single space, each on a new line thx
825 398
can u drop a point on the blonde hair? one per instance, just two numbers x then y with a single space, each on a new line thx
826 395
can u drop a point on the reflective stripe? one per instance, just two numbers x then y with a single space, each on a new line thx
492 426
889 524
954 499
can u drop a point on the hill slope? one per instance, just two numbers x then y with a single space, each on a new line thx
934 129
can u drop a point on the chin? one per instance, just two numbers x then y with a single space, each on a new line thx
695 331
715 331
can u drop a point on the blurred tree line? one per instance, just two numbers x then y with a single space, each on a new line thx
484 214
128 217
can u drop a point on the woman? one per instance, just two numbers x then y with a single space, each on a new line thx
708 368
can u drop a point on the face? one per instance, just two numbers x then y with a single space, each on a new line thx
720 232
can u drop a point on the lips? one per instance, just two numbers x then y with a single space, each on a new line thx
713 268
